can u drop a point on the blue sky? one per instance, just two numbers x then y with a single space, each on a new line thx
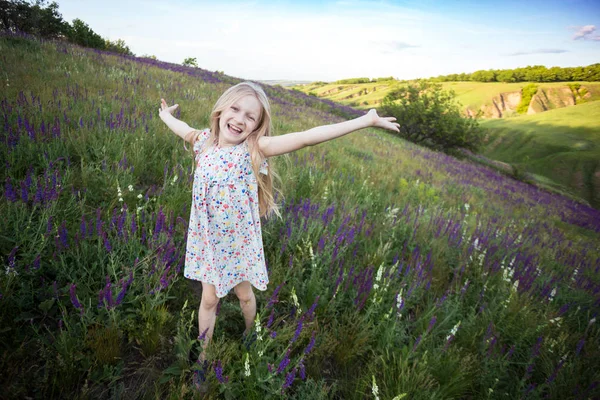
331 40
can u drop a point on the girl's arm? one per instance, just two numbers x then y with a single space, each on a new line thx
276 145
180 128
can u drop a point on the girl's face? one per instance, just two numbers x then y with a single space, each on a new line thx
239 120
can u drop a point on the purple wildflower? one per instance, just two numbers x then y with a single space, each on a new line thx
271 316
203 335
273 334
417 343
121 294
431 323
311 310
9 191
298 331
284 363
74 299
302 369
311 344
219 373
107 245
289 379
275 296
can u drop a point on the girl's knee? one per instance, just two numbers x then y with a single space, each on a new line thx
209 296
244 292
209 301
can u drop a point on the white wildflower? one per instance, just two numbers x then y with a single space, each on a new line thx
400 396
375 389
555 321
467 207
121 199
592 321
130 187
247 366
295 301
453 331
552 294
257 327
139 196
516 285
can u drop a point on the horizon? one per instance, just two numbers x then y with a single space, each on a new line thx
334 40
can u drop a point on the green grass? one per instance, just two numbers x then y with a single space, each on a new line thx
393 244
562 145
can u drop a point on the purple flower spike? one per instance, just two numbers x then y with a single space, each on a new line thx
219 373
284 363
74 299
289 379
298 331
311 344
431 323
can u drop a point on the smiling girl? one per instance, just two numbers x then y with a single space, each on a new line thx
233 188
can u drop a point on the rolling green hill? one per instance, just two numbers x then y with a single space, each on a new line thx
562 145
472 95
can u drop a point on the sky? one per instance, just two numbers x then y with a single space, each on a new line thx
330 40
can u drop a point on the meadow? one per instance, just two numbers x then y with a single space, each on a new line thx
562 145
395 271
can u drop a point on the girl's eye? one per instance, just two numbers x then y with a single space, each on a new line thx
234 108
251 119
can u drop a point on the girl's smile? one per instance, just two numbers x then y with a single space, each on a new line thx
238 121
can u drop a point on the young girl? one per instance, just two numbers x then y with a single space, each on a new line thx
233 188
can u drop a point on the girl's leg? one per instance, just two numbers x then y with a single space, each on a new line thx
247 303
207 315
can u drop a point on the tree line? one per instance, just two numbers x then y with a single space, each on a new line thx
535 73
41 19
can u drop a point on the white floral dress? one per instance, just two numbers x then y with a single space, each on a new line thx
224 243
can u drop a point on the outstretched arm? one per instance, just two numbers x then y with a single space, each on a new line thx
180 128
276 145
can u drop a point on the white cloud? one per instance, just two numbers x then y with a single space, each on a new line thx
585 32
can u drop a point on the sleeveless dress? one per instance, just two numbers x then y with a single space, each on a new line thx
224 243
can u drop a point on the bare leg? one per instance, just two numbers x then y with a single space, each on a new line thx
207 315
247 303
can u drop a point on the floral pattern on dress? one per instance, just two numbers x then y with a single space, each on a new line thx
224 243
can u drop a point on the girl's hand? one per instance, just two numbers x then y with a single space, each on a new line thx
382 122
166 109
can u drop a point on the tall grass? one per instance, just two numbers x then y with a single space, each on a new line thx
394 270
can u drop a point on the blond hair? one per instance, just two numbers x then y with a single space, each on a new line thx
266 201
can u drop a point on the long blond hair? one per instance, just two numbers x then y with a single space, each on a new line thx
266 201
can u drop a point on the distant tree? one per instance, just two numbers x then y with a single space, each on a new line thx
352 81
190 62
430 116
35 18
83 35
506 75
592 72
152 56
118 46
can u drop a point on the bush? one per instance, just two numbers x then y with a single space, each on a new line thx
527 94
430 116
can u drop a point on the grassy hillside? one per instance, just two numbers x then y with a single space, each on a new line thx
562 145
471 95
393 270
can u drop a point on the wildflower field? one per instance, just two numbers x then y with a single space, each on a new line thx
395 272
